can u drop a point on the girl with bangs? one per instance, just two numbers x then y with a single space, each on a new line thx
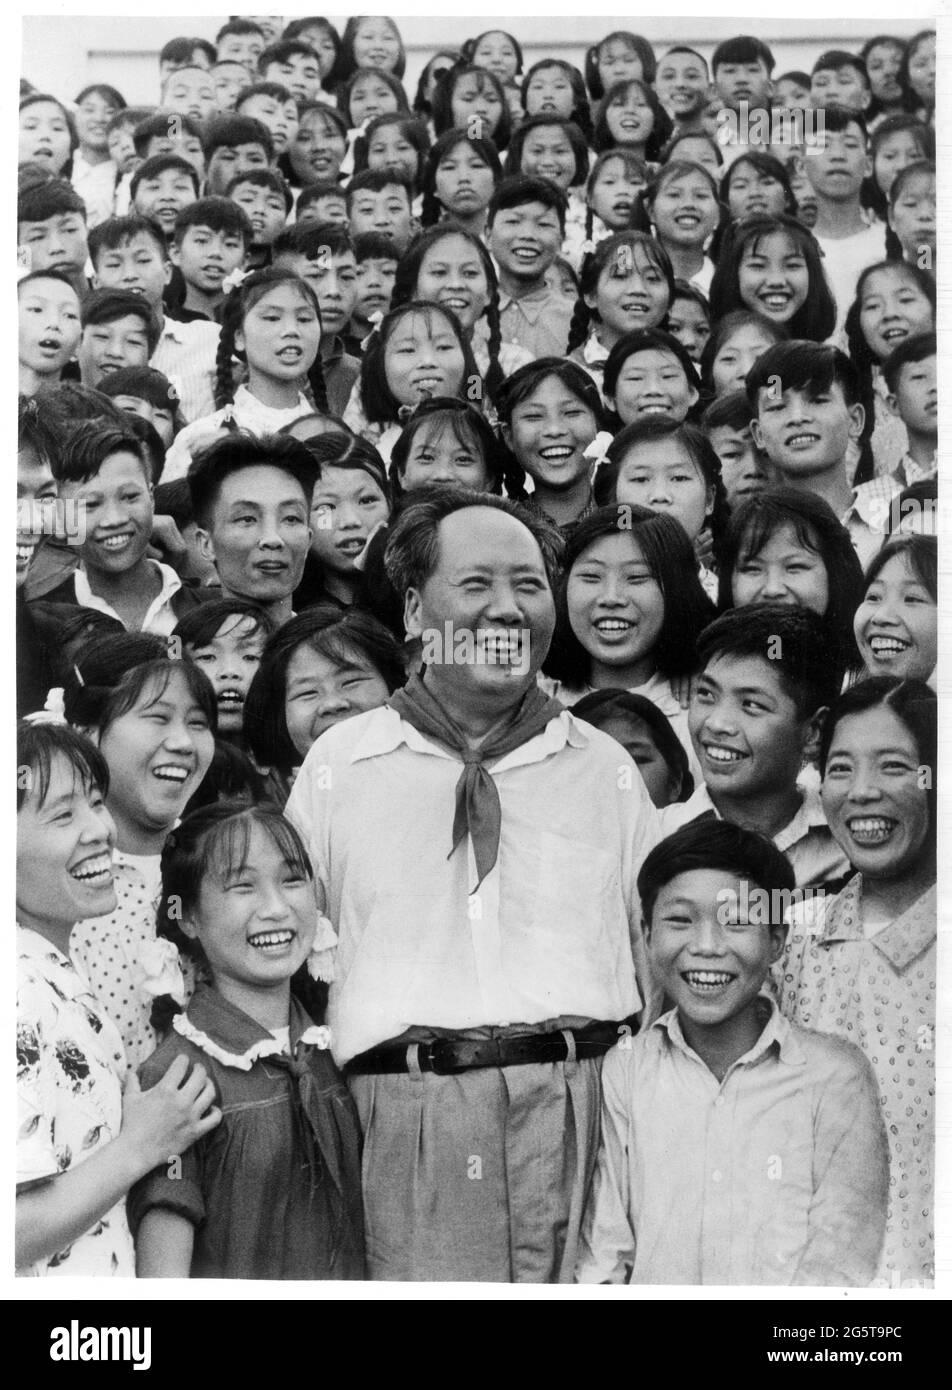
630 117
459 179
350 502
154 721
555 148
757 185
396 143
773 266
788 546
629 612
472 98
555 88
370 41
897 142
683 213
238 902
616 57
616 179
626 284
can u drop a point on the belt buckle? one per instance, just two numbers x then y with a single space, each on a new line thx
444 1054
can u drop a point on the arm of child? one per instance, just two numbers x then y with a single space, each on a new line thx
164 1243
166 1120
847 1220
607 1241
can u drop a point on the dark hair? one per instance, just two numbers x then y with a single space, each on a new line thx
182 50
405 287
872 195
331 116
793 641
371 246
375 181
815 368
297 27
646 340
236 305
103 90
816 318
670 556
34 99
413 131
522 382
721 330
389 81
816 527
87 447
443 118
649 63
599 706
921 554
37 747
861 355
116 232
343 449
313 240
284 49
52 198
380 405
714 844
238 27
572 132
743 49
328 630
908 100
911 47
519 189
471 45
661 126
65 403
840 118
894 247
766 164
234 453
347 63
110 677
148 384
258 178
652 430
412 551
231 776
421 105
443 147
106 306
264 88
580 116
158 164
835 58
202 624
151 441
680 135
231 131
66 629
174 499
158 125
313 192
915 348
36 430
468 426
914 704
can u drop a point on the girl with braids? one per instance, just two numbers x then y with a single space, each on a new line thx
154 721
419 350
616 179
683 211
626 283
451 266
272 323
246 916
894 300
630 117
441 62
911 234
471 98
897 142
459 179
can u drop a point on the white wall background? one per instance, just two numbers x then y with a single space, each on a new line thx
62 53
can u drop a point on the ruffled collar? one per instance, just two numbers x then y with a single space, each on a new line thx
227 1034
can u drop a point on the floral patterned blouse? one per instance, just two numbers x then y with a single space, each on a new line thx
70 1070
878 992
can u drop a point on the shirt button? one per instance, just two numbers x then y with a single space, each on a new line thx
717 1175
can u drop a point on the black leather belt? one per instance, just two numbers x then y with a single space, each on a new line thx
449 1055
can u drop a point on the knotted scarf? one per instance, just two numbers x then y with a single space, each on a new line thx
478 812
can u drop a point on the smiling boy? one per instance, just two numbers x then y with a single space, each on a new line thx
525 226
736 1147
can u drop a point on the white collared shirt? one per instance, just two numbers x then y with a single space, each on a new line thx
247 412
555 926
159 618
186 354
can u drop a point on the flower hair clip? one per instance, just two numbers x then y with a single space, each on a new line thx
232 281
597 451
587 247
320 962
53 711
161 970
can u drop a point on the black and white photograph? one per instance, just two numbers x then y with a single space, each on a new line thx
477 649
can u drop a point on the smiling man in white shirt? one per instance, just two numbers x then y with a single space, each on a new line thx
476 848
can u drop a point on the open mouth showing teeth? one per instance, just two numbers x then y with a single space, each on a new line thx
169 772
353 547
613 625
716 754
50 344
428 383
230 697
888 646
801 441
555 452
871 830
115 542
653 409
25 551
271 940
96 870
775 301
707 981
524 253
291 354
891 334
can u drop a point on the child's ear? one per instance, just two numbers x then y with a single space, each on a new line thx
188 928
174 259
590 301
610 404
893 403
757 435
507 435
857 414
778 937
694 395
813 734
168 271
412 613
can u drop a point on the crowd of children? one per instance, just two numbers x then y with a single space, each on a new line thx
630 371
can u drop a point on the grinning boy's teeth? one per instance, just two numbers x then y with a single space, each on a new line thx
271 938
708 981
722 755
170 773
872 829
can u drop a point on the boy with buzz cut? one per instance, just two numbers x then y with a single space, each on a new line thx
767 673
377 259
736 1147
240 41
161 187
119 330
382 202
104 469
266 199
525 224
129 253
683 85
741 69
234 145
294 64
745 470
840 79
211 241
808 418
51 231
158 135
322 202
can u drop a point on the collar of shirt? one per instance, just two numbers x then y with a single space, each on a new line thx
52 964
225 1032
335 354
170 585
909 471
776 1033
386 732
594 354
901 942
531 306
809 817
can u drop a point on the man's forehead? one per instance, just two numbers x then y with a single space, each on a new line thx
260 482
486 535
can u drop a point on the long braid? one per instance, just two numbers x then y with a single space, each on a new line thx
894 251
494 373
589 222
224 371
579 326
318 386
432 208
